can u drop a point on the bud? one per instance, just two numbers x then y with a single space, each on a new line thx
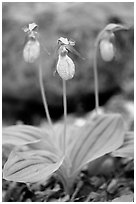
31 51
65 67
107 50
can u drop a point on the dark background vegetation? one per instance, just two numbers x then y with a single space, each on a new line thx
21 98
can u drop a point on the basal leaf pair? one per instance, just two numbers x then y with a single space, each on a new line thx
39 153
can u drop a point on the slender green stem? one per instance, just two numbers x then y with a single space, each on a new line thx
96 85
44 97
96 79
65 111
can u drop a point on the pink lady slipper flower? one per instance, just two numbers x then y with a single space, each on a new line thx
65 65
107 38
106 46
107 50
31 50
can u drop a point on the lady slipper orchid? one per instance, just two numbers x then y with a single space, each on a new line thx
65 65
107 50
63 149
105 40
32 46
104 44
31 51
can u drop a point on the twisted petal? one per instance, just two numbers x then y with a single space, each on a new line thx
74 51
114 27
32 26
63 40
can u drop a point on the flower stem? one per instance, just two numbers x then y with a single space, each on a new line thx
44 97
96 86
96 79
65 111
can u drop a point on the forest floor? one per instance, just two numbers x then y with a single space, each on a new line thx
109 184
106 179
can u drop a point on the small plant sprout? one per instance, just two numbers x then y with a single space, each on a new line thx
31 53
104 43
39 153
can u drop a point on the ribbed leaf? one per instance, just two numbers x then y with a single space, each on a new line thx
32 163
71 134
22 134
103 135
127 149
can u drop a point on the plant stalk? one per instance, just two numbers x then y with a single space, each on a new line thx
96 78
95 69
65 112
44 97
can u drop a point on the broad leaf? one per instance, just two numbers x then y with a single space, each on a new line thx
21 134
37 160
32 163
127 149
71 134
97 138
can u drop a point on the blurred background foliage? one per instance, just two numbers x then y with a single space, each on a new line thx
81 22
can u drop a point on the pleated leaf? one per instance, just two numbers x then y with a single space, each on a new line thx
31 163
71 134
97 138
21 134
127 149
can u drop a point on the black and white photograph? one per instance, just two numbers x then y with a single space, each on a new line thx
68 101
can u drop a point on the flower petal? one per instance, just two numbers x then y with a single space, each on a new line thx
114 27
65 67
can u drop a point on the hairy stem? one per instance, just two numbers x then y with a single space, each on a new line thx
96 85
96 79
65 111
44 97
